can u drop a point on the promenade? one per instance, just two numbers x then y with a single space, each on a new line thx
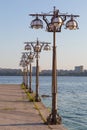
18 113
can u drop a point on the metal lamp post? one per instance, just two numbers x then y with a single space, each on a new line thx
57 21
37 48
23 63
30 58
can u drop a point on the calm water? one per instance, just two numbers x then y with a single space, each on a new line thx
72 98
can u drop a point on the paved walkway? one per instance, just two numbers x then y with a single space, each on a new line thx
17 113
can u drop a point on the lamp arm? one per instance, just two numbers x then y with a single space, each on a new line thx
64 18
46 21
32 46
42 46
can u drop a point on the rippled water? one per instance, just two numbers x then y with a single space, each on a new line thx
73 102
72 98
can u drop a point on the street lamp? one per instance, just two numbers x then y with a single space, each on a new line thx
37 48
24 64
30 58
57 21
37 23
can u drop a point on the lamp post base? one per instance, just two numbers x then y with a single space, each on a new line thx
23 83
37 99
26 86
30 90
53 120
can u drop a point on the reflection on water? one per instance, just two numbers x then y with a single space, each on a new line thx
72 97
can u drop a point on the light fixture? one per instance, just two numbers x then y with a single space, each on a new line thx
27 47
47 47
37 47
23 56
37 23
31 57
71 24
57 21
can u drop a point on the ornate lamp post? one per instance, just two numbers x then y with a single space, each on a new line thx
25 60
57 21
30 58
37 48
24 63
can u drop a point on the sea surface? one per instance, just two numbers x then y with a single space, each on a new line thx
72 97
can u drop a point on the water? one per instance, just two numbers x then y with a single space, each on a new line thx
72 98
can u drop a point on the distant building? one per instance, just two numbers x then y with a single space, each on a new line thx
79 69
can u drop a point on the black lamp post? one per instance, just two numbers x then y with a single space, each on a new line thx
37 48
57 21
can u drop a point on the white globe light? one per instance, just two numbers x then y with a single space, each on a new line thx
57 21
72 25
36 23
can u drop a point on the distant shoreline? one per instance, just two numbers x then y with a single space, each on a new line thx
18 72
51 75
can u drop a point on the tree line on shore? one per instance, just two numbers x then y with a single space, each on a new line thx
18 72
10 72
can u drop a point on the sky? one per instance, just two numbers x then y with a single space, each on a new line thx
15 30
